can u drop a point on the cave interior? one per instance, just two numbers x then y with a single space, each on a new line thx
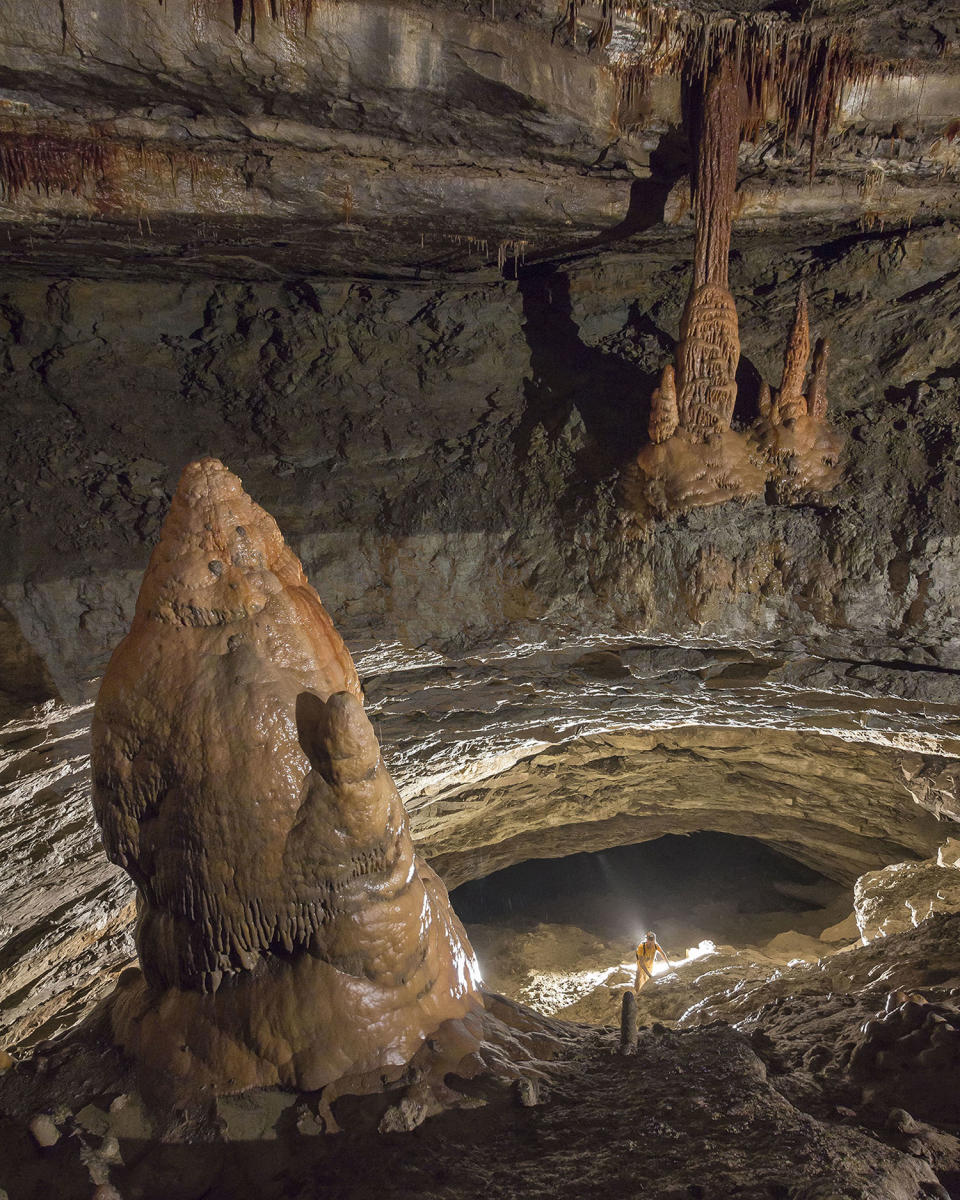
481 482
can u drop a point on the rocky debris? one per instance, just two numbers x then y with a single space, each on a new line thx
253 1116
287 932
786 1103
550 968
900 896
910 1052
404 1117
933 782
44 1131
948 855
696 1110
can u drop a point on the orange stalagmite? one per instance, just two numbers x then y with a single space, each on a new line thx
732 69
663 407
817 391
792 402
288 933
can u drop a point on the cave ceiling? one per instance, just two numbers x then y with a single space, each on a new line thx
413 140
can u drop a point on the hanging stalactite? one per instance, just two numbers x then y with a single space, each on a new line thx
734 70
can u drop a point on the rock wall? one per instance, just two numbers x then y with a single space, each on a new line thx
443 456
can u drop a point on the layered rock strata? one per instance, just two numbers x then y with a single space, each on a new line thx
287 932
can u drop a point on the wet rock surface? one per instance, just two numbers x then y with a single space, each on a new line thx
545 728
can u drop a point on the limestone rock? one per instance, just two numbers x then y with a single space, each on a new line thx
912 1052
792 945
707 357
44 1130
287 932
902 895
663 407
844 931
949 853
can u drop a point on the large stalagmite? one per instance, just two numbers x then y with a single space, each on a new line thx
287 931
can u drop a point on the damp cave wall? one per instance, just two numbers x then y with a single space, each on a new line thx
442 455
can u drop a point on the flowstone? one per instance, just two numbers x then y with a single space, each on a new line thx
287 932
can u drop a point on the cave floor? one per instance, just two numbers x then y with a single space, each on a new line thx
773 1106
691 1115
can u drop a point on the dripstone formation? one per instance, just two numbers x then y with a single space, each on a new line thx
287 931
695 457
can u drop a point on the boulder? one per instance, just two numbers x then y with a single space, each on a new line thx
902 895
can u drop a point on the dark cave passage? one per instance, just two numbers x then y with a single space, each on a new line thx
704 885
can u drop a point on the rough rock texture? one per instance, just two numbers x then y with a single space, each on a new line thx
287 932
823 802
474 512
901 895
423 136
775 1107
790 736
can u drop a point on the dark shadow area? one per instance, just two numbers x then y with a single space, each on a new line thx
747 408
669 162
611 393
668 884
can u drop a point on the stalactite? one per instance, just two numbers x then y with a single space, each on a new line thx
797 68
50 161
663 408
709 347
791 400
291 14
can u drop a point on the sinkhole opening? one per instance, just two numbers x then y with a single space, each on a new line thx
687 888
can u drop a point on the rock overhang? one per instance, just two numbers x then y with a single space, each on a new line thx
408 141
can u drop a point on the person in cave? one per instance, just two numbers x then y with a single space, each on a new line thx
647 953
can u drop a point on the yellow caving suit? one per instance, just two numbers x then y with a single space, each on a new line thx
646 956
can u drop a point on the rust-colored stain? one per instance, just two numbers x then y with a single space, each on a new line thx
106 172
51 162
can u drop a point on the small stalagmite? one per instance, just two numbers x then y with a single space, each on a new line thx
663 408
288 933
802 448
817 391
791 401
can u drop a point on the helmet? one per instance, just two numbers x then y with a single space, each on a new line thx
651 934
